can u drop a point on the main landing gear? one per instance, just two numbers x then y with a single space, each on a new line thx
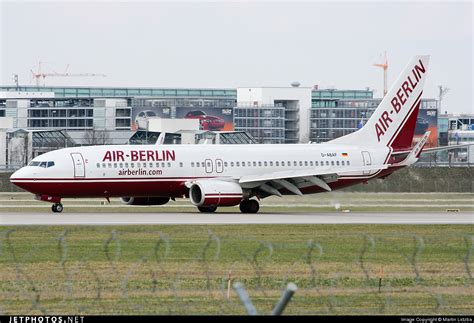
249 206
207 209
246 206
57 207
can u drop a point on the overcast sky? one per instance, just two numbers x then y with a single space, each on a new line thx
232 44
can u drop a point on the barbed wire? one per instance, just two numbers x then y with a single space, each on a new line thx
166 276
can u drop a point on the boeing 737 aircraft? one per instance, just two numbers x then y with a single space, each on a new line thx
228 175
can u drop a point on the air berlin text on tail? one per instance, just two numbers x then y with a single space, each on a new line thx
399 100
139 155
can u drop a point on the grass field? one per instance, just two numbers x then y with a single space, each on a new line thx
326 202
425 269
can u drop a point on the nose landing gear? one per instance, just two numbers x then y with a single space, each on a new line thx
57 207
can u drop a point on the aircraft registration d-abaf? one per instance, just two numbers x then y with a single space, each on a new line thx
228 175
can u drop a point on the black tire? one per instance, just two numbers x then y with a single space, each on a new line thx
207 209
249 206
59 208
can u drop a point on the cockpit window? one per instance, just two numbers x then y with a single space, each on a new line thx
44 164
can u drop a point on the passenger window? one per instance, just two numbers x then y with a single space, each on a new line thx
306 163
316 163
132 165
225 164
259 163
192 164
144 165
103 165
157 165
337 162
169 164
332 162
271 163
311 163
97 165
115 165
231 164
277 163
254 164
121 165
301 163
139 165
163 165
237 164
265 163
110 165
348 163
282 163
342 163
243 164
327 162
295 163
126 165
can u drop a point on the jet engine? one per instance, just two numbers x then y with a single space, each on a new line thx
145 200
215 193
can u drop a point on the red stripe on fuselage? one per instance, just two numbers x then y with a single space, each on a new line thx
106 189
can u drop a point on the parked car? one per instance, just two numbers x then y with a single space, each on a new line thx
207 122
142 118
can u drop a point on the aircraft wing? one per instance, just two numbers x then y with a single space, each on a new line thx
314 176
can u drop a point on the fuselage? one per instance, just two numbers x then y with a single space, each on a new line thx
164 170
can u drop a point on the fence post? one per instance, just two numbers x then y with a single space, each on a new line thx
244 297
285 299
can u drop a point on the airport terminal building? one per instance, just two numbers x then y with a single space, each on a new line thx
98 115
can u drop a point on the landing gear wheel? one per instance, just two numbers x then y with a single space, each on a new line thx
207 209
57 208
249 206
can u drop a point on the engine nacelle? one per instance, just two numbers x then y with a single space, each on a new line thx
215 193
144 200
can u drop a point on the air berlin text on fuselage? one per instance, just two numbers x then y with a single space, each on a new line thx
139 155
400 98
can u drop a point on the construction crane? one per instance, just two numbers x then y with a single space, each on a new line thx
384 65
38 75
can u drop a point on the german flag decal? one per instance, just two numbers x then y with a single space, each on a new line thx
344 155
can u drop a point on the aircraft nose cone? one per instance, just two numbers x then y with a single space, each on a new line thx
19 174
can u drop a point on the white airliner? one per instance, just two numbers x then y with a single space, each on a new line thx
229 175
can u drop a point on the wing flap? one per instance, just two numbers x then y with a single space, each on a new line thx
306 173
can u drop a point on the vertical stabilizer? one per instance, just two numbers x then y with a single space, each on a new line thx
393 122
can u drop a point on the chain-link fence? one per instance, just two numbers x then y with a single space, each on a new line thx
195 270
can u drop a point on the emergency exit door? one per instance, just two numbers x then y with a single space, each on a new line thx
367 161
